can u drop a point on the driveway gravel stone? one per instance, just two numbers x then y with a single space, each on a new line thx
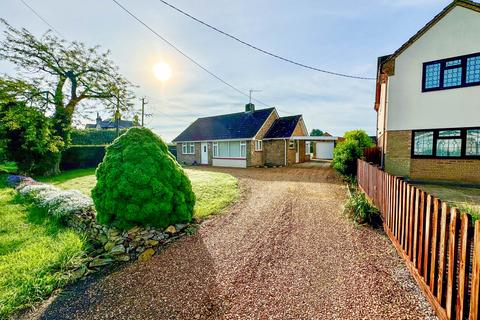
283 251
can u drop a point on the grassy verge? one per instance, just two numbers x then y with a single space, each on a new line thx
214 190
37 254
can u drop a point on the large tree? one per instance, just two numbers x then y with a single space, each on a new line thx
65 74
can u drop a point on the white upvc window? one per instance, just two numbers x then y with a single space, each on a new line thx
291 144
188 148
258 145
215 149
230 149
307 147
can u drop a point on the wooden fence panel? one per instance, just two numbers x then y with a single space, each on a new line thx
439 244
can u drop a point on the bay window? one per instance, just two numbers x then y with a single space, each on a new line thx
230 149
446 143
463 71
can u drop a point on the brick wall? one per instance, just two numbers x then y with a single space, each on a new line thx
398 162
189 158
274 151
398 153
462 170
257 158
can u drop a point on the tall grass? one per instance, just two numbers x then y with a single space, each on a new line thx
359 209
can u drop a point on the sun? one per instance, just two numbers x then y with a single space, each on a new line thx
162 71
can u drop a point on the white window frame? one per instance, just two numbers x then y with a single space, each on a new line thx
243 150
188 148
215 149
258 145
291 144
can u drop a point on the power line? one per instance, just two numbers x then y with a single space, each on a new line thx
262 50
184 54
41 18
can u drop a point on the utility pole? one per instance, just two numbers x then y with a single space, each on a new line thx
143 109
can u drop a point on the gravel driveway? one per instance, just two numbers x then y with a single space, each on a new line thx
284 251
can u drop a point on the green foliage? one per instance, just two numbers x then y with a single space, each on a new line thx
347 152
316 133
29 139
472 211
361 137
76 157
345 157
359 209
94 137
37 253
139 182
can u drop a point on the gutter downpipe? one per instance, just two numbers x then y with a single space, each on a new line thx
285 142
382 164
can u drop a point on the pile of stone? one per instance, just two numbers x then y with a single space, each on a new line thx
109 244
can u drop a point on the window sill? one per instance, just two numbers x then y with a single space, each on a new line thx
219 158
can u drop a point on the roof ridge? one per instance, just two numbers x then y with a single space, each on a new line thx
228 114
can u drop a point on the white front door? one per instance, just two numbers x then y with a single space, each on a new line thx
204 152
297 151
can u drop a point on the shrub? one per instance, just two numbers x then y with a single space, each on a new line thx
94 136
345 157
79 157
58 203
27 137
139 182
359 209
361 137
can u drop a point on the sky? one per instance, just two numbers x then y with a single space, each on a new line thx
342 36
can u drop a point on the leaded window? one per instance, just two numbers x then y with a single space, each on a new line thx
473 142
451 73
446 143
452 77
473 70
432 76
423 143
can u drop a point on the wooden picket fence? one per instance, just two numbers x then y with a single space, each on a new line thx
440 245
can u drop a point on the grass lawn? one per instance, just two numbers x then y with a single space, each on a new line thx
214 190
36 254
458 196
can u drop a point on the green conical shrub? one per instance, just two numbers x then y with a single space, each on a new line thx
139 182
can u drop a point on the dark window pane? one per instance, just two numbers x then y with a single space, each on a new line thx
423 145
473 143
449 147
432 76
449 133
452 77
473 69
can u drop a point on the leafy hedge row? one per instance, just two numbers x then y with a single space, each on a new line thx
56 202
77 157
94 137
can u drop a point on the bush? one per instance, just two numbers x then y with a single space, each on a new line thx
27 137
139 182
345 157
361 137
94 136
361 210
58 203
79 157
346 153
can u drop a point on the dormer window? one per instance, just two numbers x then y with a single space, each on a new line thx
457 72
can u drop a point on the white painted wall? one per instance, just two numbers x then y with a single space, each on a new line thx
233 163
458 33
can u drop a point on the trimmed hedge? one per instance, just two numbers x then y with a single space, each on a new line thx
94 137
139 182
78 157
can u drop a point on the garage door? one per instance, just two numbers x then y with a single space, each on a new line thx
324 150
